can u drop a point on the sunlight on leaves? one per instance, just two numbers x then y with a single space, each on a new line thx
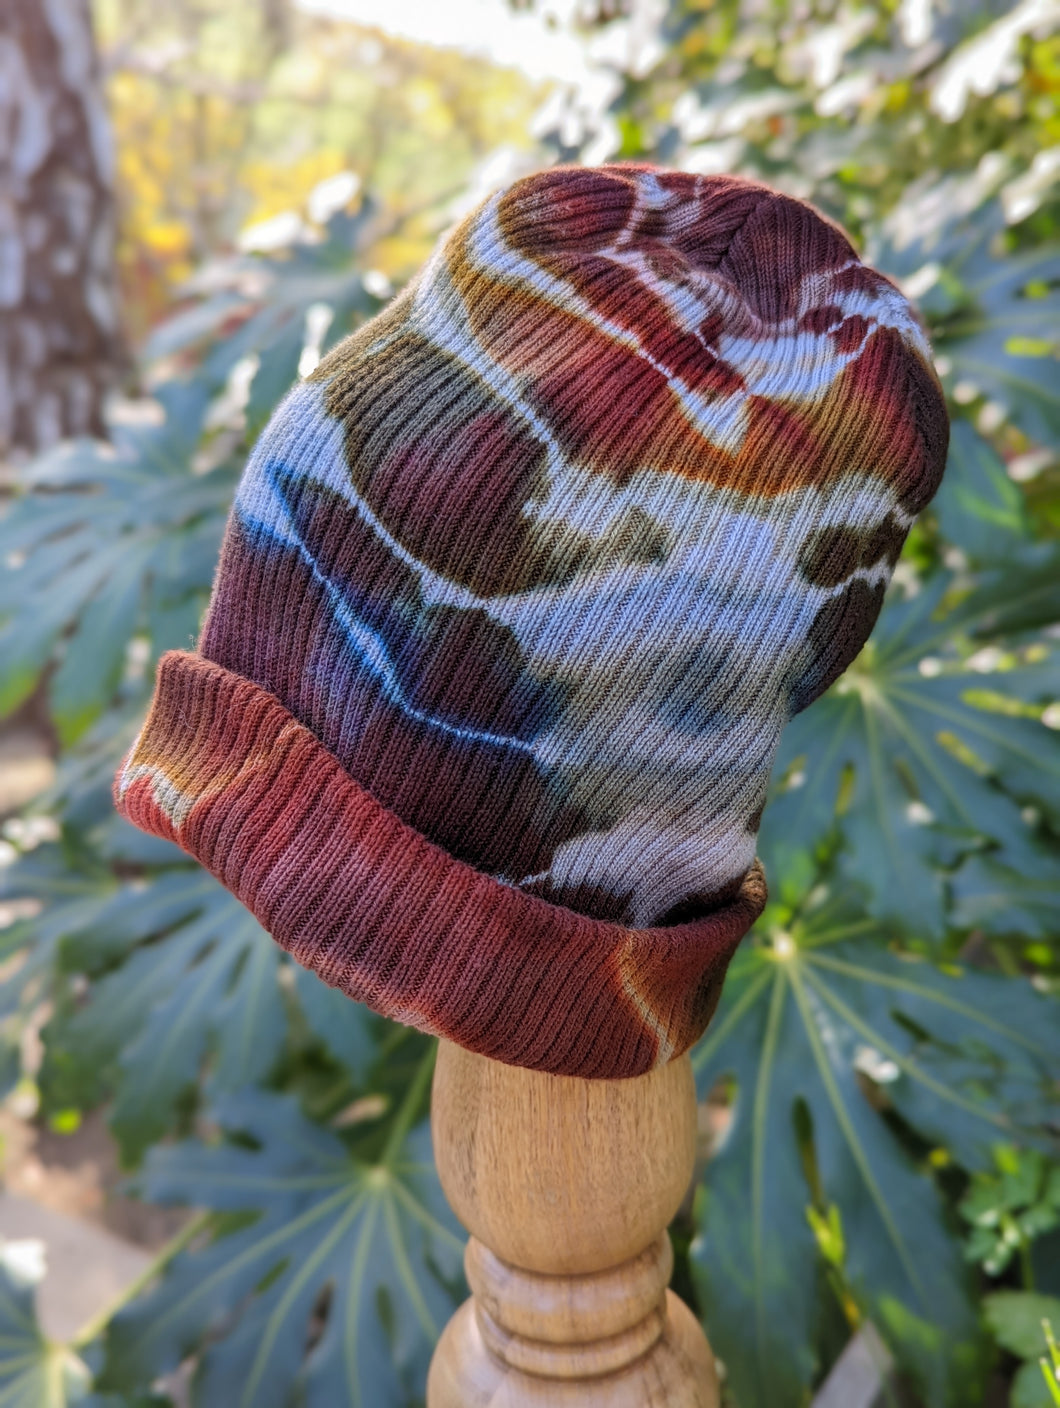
960 1058
926 776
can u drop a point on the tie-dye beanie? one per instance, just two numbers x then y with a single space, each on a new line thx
519 589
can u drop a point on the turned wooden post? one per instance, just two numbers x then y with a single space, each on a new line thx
567 1187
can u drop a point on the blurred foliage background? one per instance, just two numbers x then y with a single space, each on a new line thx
228 115
881 1080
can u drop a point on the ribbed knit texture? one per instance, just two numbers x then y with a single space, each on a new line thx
538 563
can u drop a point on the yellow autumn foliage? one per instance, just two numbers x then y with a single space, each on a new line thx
227 113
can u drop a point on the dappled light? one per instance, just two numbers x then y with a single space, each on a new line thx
256 180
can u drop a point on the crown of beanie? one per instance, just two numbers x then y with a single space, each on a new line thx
517 594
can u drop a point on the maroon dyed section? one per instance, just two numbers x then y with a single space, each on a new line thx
376 910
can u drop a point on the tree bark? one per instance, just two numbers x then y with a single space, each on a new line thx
60 339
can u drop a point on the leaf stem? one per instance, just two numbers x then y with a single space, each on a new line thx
1026 1265
98 1323
411 1103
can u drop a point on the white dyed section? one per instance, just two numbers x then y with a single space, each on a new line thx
176 805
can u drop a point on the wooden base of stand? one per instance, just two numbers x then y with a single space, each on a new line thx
567 1187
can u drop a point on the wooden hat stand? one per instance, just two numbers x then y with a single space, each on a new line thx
567 1187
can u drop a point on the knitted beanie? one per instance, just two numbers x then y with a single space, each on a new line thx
519 589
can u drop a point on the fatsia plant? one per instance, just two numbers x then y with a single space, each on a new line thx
181 971
159 982
348 1250
108 553
851 1062
103 544
109 544
924 752
34 1373
870 1070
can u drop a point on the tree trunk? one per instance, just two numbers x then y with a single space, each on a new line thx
60 341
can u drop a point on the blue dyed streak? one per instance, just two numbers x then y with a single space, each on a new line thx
366 645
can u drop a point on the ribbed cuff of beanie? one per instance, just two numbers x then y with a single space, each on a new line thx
375 909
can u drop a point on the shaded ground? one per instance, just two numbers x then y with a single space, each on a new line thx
78 1175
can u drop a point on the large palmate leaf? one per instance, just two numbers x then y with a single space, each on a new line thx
1005 341
258 308
1017 596
927 752
347 1029
196 976
180 971
994 316
978 508
107 542
103 544
34 1373
328 1285
821 1028
83 789
182 979
999 900
29 946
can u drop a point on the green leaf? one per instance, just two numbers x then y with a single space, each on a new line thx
272 323
199 979
35 616
98 536
34 1373
979 509
333 1292
82 793
1006 342
1029 1388
29 948
909 754
343 1025
193 325
993 316
183 983
1017 600
10 1062
817 1016
999 900
1015 1318
276 374
1019 1182
92 663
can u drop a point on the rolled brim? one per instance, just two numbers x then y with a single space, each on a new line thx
392 920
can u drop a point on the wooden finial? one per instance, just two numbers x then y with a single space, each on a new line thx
567 1187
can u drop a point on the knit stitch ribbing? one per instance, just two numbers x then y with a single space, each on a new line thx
379 912
547 554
